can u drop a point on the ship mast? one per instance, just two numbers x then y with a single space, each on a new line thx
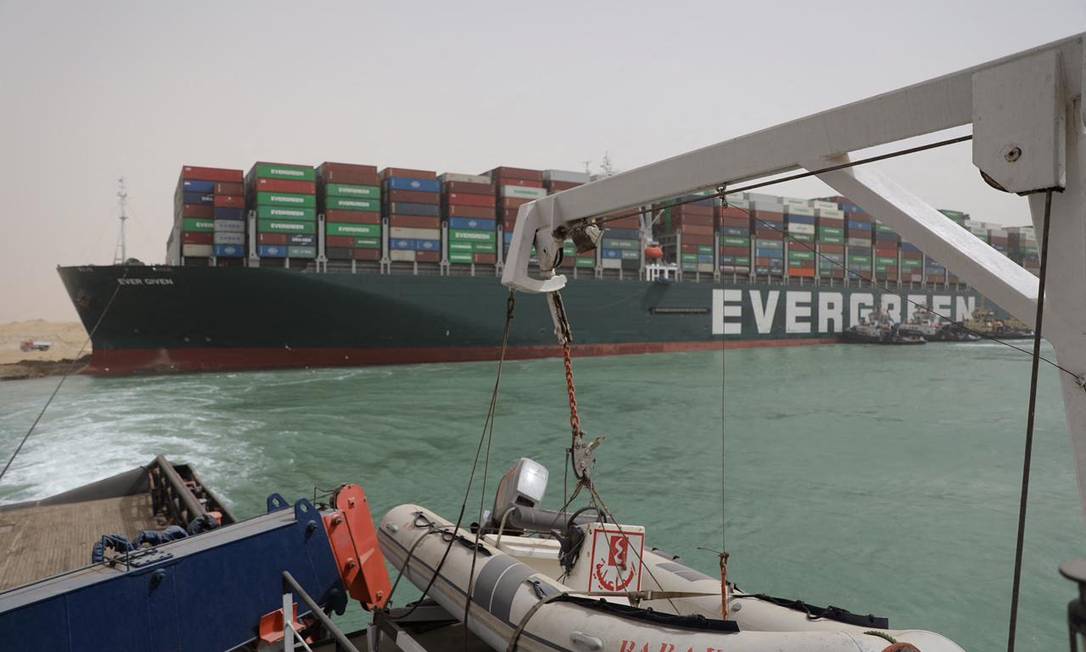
120 252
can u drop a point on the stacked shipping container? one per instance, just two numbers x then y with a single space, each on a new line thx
769 229
469 207
831 239
349 197
886 252
411 202
514 187
735 241
693 225
557 181
799 224
859 229
209 215
1022 247
284 197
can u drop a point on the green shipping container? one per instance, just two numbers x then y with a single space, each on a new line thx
278 226
733 241
360 230
690 258
742 261
197 225
801 237
631 255
886 262
367 243
344 190
484 247
285 199
461 246
285 213
859 260
612 243
473 235
801 255
461 257
585 262
705 250
353 204
290 172
831 239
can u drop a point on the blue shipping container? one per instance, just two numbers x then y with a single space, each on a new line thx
302 252
909 247
229 251
705 258
472 223
422 210
801 219
198 198
271 251
198 186
418 185
612 253
734 230
227 213
427 245
402 244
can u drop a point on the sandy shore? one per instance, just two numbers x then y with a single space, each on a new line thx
66 337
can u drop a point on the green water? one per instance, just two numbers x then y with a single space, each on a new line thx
882 479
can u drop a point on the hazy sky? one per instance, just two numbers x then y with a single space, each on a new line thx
92 91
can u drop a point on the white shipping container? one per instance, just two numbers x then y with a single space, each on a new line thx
402 255
566 176
611 263
792 201
859 242
738 201
196 250
410 233
801 228
823 204
831 212
463 178
705 267
229 226
227 238
523 192
794 209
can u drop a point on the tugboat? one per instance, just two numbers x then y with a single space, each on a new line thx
879 328
932 328
987 323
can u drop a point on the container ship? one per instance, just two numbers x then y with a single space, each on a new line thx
342 264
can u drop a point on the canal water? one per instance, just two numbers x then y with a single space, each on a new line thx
880 479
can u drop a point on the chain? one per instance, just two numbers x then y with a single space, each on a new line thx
571 389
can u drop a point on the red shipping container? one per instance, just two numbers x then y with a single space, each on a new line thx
732 212
230 201
512 202
348 173
697 239
196 173
488 259
272 238
527 183
831 248
886 252
768 233
691 229
684 221
415 221
631 222
768 216
507 214
478 212
197 238
280 185
863 218
469 188
559 186
352 217
197 210
735 222
413 197
831 222
229 188
427 257
461 199
807 272
689 248
346 241
735 251
516 173
366 254
408 172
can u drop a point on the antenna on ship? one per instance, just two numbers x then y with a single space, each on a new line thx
120 252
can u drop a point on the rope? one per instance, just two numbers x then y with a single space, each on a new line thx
571 391
1030 413
63 378
510 305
